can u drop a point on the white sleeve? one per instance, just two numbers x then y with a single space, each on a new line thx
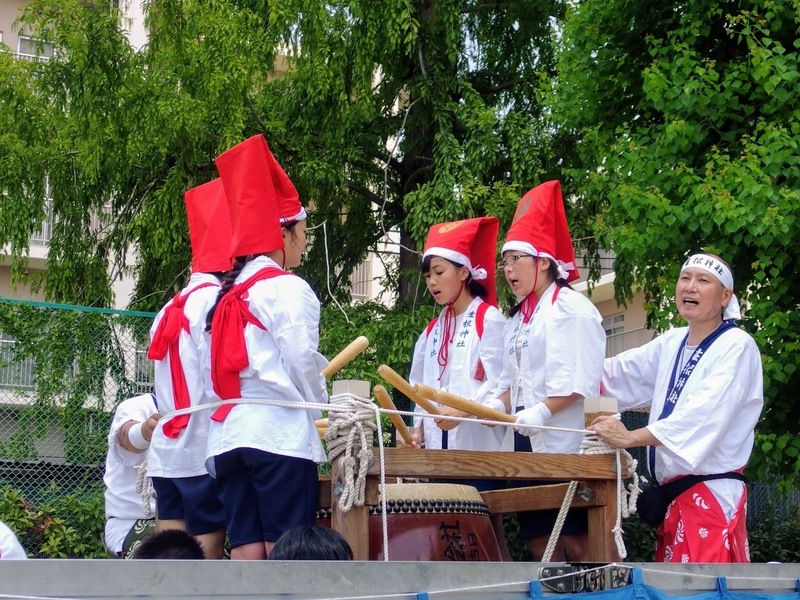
417 375
132 409
297 338
503 381
576 347
630 376
10 548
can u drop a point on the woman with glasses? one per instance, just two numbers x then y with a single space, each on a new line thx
554 346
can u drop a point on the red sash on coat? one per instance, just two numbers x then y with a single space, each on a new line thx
228 347
166 339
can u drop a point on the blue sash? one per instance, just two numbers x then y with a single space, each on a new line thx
674 389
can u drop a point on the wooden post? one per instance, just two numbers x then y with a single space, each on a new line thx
597 406
352 524
603 518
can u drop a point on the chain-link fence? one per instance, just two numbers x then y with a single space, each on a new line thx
63 370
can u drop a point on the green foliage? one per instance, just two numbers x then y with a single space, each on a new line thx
400 113
61 526
688 141
775 537
391 333
80 362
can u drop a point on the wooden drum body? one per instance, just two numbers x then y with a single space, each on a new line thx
432 522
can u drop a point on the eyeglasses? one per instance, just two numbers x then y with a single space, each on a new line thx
511 259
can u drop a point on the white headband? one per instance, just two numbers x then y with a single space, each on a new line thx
477 272
562 267
720 271
300 216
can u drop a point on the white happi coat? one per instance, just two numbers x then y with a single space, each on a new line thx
10 548
559 352
284 365
124 505
459 376
711 429
185 455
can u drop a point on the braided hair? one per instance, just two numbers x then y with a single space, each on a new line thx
229 278
226 283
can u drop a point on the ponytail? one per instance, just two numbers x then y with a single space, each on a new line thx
227 282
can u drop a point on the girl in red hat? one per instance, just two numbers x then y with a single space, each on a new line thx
264 339
554 346
461 350
176 458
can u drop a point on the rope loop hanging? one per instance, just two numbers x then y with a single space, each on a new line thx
351 427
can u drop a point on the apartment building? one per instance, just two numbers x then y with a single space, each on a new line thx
625 328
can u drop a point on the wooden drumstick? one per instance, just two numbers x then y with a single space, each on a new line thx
425 391
353 349
401 384
386 402
473 408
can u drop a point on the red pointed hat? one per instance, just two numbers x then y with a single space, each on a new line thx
209 227
540 228
261 197
472 243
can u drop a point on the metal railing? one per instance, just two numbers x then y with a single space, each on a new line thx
619 342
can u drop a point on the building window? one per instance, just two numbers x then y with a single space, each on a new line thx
34 50
42 237
614 327
143 375
14 373
361 281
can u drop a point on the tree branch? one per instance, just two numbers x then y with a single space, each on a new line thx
497 88
255 114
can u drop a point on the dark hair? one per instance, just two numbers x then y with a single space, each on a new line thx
170 544
228 279
475 288
552 271
311 542
226 282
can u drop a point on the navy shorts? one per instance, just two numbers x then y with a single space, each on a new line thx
193 500
265 494
540 523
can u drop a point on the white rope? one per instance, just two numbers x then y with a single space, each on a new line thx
350 419
593 445
351 424
144 487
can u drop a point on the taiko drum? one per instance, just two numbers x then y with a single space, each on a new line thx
431 522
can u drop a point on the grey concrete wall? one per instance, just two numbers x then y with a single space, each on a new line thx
102 579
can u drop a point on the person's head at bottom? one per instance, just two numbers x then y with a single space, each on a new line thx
170 544
311 542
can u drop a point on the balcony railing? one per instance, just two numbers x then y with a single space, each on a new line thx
14 373
31 57
619 342
606 264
